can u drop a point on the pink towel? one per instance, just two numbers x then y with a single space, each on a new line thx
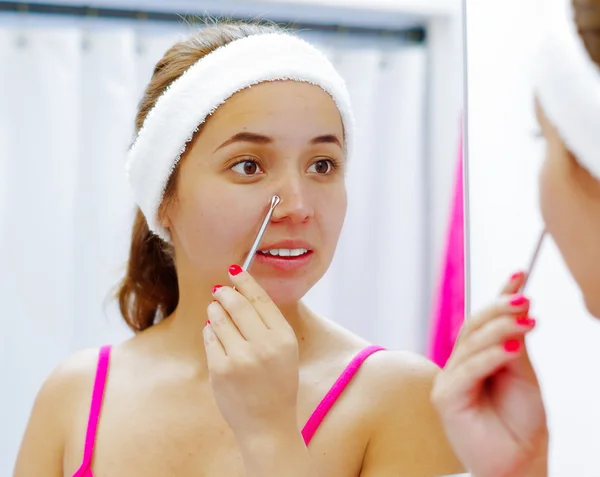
449 311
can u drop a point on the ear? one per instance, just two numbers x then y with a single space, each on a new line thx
164 215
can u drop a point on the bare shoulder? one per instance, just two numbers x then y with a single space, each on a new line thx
386 377
406 435
398 386
42 447
402 374
74 374
65 385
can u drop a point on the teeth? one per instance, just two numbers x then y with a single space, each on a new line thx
285 252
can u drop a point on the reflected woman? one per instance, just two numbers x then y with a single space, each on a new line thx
488 396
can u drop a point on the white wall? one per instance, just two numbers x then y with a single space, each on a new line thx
374 13
443 20
504 160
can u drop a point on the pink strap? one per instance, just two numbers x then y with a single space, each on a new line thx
319 414
97 396
308 431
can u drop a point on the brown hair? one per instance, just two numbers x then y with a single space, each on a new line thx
587 20
149 291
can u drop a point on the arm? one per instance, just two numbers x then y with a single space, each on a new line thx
407 438
253 362
42 446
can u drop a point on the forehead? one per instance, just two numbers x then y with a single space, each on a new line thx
279 100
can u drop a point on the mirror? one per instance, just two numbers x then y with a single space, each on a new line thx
504 160
69 95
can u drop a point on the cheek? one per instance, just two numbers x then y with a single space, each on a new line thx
331 213
218 218
553 196
545 193
570 219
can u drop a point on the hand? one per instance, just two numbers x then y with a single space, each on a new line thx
488 396
252 355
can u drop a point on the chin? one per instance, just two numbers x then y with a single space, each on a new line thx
592 303
285 298
588 285
285 294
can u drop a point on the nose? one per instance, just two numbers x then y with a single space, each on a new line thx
295 205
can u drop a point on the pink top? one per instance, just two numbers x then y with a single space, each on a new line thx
309 430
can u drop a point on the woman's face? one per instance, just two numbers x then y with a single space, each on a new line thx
570 204
283 138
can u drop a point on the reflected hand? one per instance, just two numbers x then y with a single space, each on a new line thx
252 355
488 396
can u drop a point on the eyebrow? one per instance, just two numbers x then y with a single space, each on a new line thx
260 139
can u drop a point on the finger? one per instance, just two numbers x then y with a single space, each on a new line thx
514 284
497 332
515 304
257 297
223 328
462 384
215 352
507 295
241 313
523 367
489 335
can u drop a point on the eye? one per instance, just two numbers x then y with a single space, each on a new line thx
247 167
324 166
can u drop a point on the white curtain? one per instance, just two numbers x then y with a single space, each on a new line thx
68 93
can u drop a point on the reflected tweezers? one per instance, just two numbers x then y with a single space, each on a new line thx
533 260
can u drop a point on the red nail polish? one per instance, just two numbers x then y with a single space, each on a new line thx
207 323
235 270
525 321
216 287
516 276
512 346
518 300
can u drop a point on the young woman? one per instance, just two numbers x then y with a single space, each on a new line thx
240 379
488 395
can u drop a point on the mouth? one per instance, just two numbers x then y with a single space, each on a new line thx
285 253
285 256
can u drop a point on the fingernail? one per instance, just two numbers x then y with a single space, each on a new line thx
518 300
516 276
207 323
525 321
235 270
512 346
216 287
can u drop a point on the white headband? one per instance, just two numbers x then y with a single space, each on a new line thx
567 85
207 84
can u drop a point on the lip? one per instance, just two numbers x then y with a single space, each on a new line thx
284 264
288 244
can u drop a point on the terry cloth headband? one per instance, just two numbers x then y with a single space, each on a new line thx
567 85
194 96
